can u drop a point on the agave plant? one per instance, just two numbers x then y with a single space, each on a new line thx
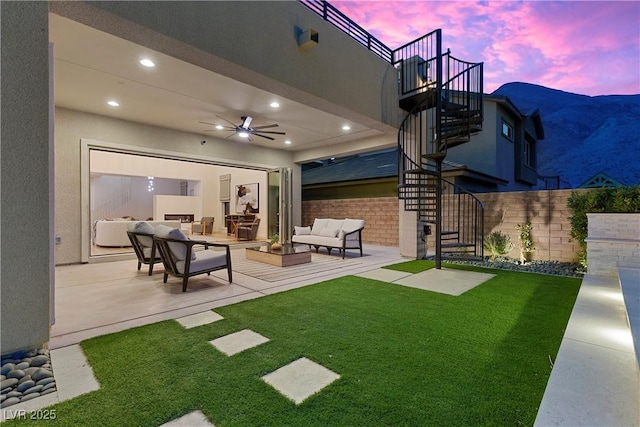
497 244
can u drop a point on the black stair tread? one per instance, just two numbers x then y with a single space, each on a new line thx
448 232
427 99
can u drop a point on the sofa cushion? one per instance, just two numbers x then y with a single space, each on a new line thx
142 227
318 225
352 224
335 224
178 250
205 261
317 241
329 232
302 231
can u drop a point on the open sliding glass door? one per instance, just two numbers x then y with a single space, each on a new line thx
279 205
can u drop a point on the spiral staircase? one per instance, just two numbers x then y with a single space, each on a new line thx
442 96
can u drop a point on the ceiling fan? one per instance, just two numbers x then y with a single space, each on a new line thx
245 130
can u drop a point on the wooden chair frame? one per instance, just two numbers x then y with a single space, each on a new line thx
169 262
138 248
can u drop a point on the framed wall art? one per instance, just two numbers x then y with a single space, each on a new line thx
247 198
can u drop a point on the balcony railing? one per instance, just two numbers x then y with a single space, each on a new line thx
333 16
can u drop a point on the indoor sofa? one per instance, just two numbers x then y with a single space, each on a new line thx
114 233
341 234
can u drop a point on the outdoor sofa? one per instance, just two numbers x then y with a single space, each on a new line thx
341 234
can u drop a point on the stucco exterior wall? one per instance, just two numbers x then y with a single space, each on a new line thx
26 209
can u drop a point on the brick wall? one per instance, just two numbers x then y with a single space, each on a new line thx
380 214
547 210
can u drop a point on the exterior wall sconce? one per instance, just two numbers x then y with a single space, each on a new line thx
308 39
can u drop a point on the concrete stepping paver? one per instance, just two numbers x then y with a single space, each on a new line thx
199 319
238 341
300 379
445 281
192 419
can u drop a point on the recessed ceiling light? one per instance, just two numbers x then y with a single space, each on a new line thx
219 127
113 103
147 63
274 104
346 127
287 142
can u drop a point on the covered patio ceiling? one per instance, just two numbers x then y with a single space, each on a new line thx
92 67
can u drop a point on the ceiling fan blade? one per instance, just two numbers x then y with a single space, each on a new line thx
231 123
207 123
266 131
265 127
262 136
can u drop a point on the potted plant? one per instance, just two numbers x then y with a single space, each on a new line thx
275 242
526 243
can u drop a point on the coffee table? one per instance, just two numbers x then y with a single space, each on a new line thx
288 255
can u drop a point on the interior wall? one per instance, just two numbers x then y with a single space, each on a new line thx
127 196
73 126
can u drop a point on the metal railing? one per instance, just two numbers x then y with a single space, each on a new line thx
341 21
419 65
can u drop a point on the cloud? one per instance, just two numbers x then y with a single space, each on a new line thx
586 47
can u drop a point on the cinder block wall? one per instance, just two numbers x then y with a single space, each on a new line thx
547 210
380 214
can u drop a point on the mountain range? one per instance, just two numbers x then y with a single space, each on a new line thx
584 135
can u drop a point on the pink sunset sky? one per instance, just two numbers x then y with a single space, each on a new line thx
584 47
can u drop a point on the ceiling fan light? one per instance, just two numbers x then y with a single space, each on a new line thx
243 134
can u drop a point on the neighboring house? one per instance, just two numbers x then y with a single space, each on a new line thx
601 180
503 157
361 175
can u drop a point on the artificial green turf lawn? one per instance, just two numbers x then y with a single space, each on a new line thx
406 357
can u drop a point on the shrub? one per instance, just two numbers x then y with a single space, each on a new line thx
602 200
497 244
526 243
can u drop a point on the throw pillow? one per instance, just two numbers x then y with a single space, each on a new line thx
329 232
301 231
178 250
142 227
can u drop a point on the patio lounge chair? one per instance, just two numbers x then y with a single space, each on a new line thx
180 259
141 237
